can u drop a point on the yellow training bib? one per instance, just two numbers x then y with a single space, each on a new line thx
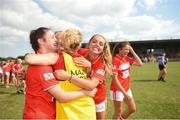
79 109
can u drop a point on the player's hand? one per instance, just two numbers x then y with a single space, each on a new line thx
127 97
81 61
62 75
91 93
131 49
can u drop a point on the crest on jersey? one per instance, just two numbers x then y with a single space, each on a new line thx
124 66
101 71
48 76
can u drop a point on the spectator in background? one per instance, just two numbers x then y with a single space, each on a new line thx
162 60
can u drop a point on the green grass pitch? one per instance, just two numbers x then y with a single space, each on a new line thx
154 99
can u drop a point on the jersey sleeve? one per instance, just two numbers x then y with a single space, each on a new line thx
47 78
59 63
83 52
6 65
131 60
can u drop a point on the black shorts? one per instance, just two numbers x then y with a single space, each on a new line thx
161 67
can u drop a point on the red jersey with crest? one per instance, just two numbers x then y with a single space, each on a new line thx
17 68
39 103
7 67
121 66
97 71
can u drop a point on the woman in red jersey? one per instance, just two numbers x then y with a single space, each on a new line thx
17 68
120 87
7 70
98 53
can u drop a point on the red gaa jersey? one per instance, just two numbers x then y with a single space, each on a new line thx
7 67
39 103
17 68
121 66
97 71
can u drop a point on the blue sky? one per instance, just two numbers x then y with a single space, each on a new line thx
115 19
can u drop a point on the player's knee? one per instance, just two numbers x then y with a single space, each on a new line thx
132 109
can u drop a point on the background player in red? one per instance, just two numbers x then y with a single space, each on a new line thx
41 86
7 69
120 87
17 68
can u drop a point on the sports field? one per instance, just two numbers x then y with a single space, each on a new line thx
154 99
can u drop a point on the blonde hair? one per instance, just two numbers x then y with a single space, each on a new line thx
106 54
18 60
72 39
